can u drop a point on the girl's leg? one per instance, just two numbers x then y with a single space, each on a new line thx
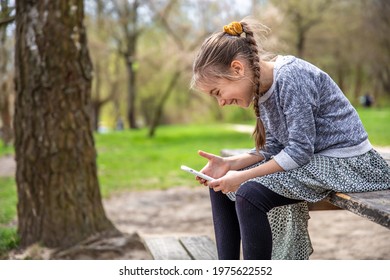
253 201
226 227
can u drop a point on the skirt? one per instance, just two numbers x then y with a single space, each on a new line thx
315 180
311 183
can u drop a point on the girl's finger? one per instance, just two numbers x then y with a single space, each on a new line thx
206 155
213 183
201 180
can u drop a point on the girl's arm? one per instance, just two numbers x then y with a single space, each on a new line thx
269 167
218 166
241 161
233 179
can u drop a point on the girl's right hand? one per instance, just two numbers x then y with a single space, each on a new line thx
215 168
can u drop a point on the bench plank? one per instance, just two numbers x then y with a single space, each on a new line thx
199 247
375 206
166 248
182 248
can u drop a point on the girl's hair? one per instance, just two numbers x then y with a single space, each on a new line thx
220 49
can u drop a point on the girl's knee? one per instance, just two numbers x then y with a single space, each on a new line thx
248 189
262 197
250 195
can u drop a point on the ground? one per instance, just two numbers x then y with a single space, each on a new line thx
336 234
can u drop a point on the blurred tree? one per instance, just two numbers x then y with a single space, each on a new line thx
59 201
302 16
127 13
6 13
377 21
335 43
182 27
100 30
162 16
6 91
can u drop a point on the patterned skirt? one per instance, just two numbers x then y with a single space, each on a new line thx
313 182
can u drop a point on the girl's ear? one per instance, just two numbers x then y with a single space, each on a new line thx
237 67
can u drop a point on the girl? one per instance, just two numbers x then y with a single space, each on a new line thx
309 139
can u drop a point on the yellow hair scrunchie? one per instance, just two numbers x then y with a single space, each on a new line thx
234 28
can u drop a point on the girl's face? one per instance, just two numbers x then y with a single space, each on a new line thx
232 92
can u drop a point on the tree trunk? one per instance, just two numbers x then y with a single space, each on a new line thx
160 106
58 191
131 93
127 12
358 83
5 116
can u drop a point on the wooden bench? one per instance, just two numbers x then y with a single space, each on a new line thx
374 206
181 248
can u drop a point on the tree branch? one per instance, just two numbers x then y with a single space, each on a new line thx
6 21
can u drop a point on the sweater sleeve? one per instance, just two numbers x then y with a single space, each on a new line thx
297 103
272 147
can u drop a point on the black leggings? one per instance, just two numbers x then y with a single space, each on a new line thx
245 220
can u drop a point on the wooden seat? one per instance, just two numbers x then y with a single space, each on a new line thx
181 248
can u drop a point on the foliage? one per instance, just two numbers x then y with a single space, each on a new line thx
348 39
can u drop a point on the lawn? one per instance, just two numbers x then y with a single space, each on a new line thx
130 160
377 123
8 200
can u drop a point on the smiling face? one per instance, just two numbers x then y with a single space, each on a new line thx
238 91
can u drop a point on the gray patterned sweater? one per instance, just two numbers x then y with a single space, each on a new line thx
305 112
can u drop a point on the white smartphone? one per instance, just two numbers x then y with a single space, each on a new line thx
230 195
197 173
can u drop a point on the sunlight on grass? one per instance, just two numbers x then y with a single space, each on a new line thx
377 123
5 149
131 160
8 199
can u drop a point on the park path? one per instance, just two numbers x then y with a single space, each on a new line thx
7 166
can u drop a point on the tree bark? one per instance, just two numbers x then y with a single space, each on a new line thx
58 191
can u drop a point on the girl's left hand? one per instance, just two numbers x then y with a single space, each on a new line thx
228 183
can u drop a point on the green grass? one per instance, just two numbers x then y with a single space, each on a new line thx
377 123
130 160
5 149
8 200
8 240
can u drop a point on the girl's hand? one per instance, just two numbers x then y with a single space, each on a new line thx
228 183
215 168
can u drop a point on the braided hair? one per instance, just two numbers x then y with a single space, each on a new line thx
259 132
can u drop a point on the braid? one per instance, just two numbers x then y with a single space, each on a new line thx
259 132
